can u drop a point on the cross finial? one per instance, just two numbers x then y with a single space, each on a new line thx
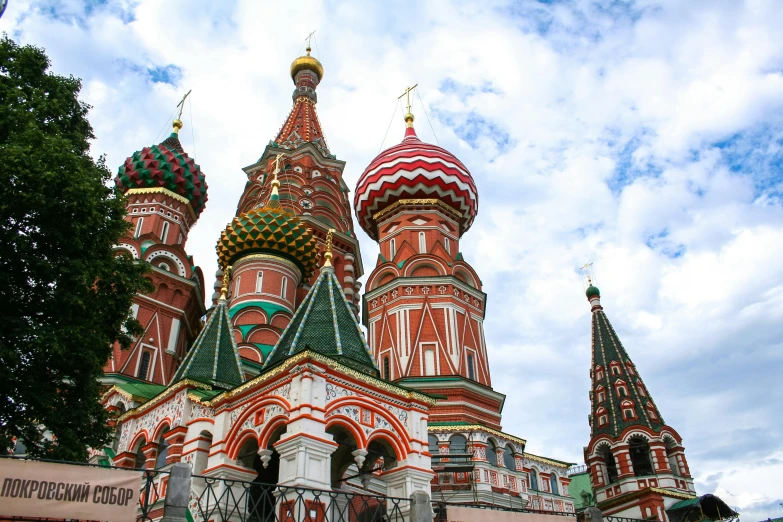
181 105
408 114
587 269
309 38
328 249
226 279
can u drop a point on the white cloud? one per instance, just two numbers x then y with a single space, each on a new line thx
644 136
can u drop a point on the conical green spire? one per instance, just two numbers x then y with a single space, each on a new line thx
214 358
324 323
626 401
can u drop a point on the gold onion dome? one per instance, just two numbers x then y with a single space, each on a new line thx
307 63
269 230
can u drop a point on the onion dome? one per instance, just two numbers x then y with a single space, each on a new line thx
307 63
592 292
165 166
415 170
272 230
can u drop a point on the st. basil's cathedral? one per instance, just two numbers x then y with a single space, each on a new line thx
281 385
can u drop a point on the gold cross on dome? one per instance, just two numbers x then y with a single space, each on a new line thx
407 94
277 163
587 268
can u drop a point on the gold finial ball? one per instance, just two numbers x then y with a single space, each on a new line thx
307 63
409 119
177 125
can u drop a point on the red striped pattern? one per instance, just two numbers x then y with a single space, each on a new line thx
412 170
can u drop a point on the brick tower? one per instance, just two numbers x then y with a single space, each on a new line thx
637 463
166 192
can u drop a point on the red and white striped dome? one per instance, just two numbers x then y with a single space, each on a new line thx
414 170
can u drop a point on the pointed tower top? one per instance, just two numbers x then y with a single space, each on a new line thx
620 399
214 357
226 279
177 124
324 323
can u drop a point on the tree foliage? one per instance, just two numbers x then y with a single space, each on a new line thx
65 297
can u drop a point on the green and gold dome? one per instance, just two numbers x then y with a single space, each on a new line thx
269 230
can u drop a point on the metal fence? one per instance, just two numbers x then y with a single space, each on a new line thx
240 501
150 498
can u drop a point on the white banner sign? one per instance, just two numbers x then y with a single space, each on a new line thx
48 490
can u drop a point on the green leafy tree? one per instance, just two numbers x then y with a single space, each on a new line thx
64 295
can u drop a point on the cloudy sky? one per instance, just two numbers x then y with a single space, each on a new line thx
645 137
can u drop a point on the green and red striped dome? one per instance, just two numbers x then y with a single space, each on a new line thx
165 166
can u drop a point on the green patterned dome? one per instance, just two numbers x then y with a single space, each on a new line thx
165 166
272 230
592 292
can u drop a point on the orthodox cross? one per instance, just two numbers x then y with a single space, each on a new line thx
587 268
407 95
309 37
181 104
277 163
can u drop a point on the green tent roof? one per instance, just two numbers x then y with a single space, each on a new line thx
324 323
214 358
138 389
607 348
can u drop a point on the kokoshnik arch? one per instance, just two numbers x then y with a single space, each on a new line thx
281 378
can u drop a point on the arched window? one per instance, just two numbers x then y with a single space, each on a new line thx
144 366
640 456
533 479
139 225
603 417
629 411
236 286
392 249
492 453
599 373
600 394
140 460
432 442
259 282
458 444
386 368
610 465
508 458
163 451
671 444
422 243
284 287
164 232
553 483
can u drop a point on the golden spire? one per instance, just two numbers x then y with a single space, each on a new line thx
275 182
226 279
178 120
408 114
328 249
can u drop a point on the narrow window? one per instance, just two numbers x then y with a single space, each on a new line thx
622 391
163 452
236 287
553 484
422 243
533 480
259 282
144 367
164 232
429 362
628 413
471 370
392 249
447 244
386 368
284 287
139 225
601 396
